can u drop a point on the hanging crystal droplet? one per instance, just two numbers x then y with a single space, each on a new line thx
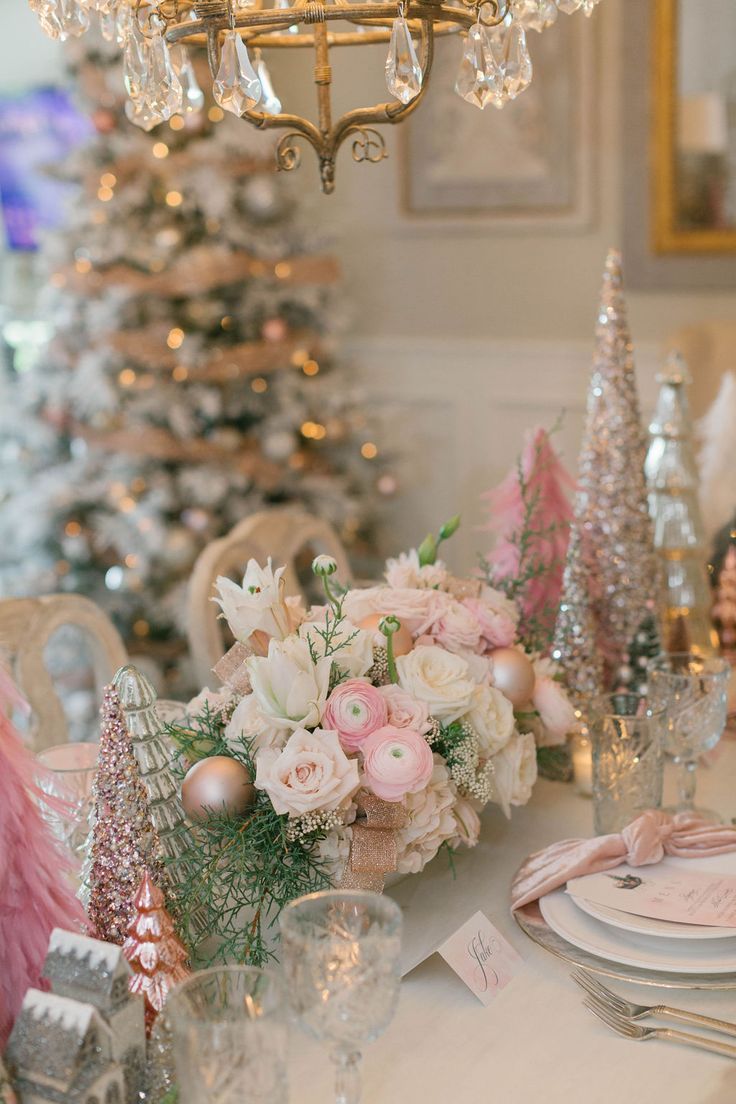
108 28
536 15
589 6
403 71
270 103
162 90
49 17
236 86
480 78
139 112
192 94
74 19
518 64
569 6
123 23
135 61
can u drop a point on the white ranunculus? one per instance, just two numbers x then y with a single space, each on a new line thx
515 771
430 821
311 772
249 722
354 646
491 715
289 687
439 678
258 606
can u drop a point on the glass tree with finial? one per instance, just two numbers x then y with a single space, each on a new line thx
679 537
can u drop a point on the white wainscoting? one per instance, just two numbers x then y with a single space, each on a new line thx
457 411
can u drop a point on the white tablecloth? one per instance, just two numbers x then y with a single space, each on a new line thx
535 1044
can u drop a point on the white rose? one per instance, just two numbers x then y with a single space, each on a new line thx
354 646
438 678
430 820
515 771
491 715
289 687
256 606
310 773
249 722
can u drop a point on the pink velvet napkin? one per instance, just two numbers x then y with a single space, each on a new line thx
646 840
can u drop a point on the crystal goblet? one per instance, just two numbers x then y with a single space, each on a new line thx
693 690
229 1032
66 775
340 953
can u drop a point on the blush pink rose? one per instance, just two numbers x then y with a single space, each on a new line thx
404 710
497 627
355 709
555 711
453 626
396 762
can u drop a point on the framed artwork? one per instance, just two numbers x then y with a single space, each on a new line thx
531 162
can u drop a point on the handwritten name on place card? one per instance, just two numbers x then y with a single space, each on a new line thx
663 892
481 957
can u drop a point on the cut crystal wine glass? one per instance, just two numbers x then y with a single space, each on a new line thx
693 690
340 955
66 776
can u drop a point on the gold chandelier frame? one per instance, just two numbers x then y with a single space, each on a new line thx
201 23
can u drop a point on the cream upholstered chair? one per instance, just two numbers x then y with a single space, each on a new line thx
283 533
709 349
26 627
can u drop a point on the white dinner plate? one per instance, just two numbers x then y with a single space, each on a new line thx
666 929
684 956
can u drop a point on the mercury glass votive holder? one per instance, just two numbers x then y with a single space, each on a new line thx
627 736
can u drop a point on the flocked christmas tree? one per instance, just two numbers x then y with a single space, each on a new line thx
157 956
612 578
672 479
190 378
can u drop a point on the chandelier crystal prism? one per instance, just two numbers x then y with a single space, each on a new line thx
155 36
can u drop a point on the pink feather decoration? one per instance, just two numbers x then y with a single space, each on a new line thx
548 486
35 887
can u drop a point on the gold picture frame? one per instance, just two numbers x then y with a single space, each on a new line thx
667 236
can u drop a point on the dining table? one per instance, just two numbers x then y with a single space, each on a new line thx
535 1043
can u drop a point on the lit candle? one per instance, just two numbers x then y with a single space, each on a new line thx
582 765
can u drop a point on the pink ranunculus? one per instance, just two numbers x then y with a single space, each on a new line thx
405 711
355 709
554 708
497 627
396 762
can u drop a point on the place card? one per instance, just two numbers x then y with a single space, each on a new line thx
481 957
662 892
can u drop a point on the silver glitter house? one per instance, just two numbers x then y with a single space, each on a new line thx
60 1052
97 973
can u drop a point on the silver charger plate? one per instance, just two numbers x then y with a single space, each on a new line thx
532 923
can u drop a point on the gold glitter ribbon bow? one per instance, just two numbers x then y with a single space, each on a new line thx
231 669
373 851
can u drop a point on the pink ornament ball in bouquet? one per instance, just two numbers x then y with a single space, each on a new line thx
513 675
402 639
217 784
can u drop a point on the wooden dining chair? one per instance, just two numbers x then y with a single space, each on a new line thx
26 627
286 534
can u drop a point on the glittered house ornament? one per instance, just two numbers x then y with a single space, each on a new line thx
60 1051
92 972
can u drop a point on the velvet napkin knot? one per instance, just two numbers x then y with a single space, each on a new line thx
646 840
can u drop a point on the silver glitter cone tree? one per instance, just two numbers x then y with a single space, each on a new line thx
123 841
575 643
618 574
155 758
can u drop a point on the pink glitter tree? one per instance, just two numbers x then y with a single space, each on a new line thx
35 885
530 516
123 842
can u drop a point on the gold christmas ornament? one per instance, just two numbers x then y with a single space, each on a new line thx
402 638
215 785
513 675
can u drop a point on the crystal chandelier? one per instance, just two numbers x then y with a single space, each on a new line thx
153 35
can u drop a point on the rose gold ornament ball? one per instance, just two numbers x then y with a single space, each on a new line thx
402 638
217 784
513 675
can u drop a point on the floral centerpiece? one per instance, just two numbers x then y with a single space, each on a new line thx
407 706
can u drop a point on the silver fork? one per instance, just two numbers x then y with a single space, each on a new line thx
599 992
634 1031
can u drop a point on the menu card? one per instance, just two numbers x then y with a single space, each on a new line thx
663 892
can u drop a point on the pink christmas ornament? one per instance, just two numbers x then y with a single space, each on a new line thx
35 885
513 674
